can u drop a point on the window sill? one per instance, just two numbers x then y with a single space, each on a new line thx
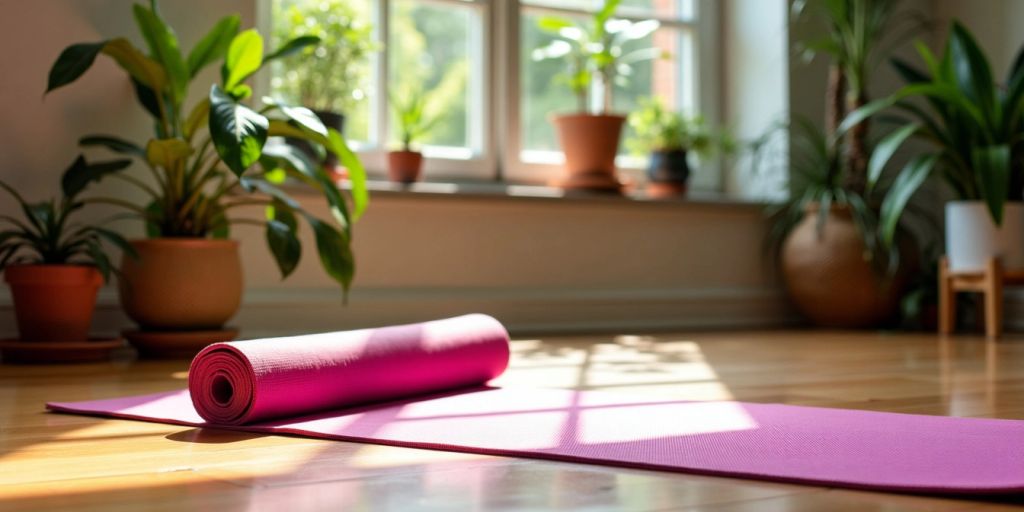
461 190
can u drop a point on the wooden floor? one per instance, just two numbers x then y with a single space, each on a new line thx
62 462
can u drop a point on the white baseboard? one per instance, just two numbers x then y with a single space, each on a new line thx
286 311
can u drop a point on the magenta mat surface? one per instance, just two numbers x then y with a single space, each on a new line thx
834 447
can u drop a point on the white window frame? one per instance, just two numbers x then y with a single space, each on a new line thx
499 88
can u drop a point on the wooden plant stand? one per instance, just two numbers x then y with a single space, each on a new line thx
989 282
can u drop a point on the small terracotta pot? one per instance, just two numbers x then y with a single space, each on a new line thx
829 279
590 143
181 283
53 302
405 166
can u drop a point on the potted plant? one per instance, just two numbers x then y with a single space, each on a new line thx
974 126
204 162
834 262
669 138
405 165
594 52
330 76
54 267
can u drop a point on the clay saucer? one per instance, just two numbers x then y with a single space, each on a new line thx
176 344
44 352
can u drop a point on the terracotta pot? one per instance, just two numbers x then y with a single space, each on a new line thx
405 166
590 144
830 280
181 283
53 302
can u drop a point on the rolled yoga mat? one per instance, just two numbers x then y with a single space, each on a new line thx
422 386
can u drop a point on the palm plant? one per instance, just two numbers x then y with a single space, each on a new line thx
597 49
48 235
973 124
203 160
855 30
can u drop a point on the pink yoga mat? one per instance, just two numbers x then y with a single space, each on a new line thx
330 386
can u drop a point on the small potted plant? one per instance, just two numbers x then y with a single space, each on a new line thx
669 138
596 52
205 161
330 75
54 267
414 122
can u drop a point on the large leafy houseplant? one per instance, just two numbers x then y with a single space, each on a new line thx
828 231
208 155
972 123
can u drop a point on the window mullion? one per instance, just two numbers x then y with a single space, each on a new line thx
383 106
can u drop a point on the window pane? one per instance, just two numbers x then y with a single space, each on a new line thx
542 92
435 50
672 9
335 76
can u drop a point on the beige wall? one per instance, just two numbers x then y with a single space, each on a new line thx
538 264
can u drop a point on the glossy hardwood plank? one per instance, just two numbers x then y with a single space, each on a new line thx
63 462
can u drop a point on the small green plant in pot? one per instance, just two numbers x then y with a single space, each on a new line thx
414 122
600 51
55 265
328 77
669 138
207 161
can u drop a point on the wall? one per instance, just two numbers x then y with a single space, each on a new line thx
538 264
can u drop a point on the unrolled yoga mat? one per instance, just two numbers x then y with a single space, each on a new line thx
335 386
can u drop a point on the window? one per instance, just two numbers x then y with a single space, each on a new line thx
472 61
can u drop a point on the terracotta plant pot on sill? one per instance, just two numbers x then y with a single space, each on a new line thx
590 143
405 166
181 292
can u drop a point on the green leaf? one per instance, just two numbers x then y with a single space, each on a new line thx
199 116
335 253
167 153
992 169
72 63
147 98
99 258
553 24
238 133
213 45
356 172
292 47
972 69
302 116
114 144
903 188
163 45
281 237
886 149
119 241
245 56
145 70
81 173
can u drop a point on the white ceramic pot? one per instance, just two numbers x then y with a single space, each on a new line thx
972 237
